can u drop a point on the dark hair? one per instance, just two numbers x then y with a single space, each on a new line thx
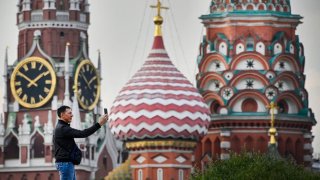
62 109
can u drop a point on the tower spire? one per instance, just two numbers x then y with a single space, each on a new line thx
5 77
66 100
158 20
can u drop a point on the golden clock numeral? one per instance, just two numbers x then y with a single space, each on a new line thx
82 98
91 70
83 70
40 67
19 91
25 98
88 67
33 65
48 82
33 100
91 100
94 94
87 102
46 73
25 67
41 98
18 83
95 86
79 91
46 90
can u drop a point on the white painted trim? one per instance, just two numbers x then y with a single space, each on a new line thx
255 131
307 146
266 118
43 167
225 133
307 158
249 18
53 24
161 166
225 144
248 24
225 156
307 136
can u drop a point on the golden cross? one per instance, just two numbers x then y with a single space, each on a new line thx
272 107
272 130
159 7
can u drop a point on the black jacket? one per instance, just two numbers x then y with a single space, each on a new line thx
64 142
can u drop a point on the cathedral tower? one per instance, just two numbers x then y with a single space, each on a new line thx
53 68
249 58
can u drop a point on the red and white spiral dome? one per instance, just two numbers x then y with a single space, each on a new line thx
159 103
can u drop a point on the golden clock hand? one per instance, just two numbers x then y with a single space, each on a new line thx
37 78
85 79
28 79
92 79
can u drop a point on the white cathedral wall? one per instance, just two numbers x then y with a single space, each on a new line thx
242 65
213 68
212 86
242 84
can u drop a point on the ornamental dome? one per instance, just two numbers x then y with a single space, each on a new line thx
159 102
268 6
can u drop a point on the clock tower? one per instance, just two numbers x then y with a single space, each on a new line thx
53 68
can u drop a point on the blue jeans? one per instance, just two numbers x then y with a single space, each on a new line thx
66 170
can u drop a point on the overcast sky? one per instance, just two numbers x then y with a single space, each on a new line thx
123 31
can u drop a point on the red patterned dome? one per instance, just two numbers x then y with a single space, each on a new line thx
159 102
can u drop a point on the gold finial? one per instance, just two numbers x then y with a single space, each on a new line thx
272 130
158 20
68 44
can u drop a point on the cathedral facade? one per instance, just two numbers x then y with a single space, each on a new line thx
250 57
53 68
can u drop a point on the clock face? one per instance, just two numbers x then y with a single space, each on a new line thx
33 82
87 85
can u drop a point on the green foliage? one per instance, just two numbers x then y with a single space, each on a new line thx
253 166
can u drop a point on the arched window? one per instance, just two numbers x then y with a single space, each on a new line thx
140 174
235 144
250 44
214 107
277 49
289 148
217 149
37 149
248 142
262 145
160 174
239 48
249 105
11 149
299 151
283 107
223 49
260 48
291 49
181 177
207 147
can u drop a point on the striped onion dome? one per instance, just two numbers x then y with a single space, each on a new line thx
159 102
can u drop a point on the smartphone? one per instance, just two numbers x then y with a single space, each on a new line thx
105 110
